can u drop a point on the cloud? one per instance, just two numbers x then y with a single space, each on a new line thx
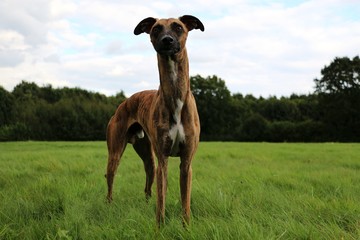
12 48
114 47
27 18
62 8
271 48
10 58
277 47
53 58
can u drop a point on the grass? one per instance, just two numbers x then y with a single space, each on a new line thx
56 190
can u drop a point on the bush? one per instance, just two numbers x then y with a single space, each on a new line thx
15 132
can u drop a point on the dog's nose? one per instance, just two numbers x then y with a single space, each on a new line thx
167 40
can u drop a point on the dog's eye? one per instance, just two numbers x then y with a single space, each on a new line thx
178 29
156 29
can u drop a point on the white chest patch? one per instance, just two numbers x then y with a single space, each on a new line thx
173 70
176 132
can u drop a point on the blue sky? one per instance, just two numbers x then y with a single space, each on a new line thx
258 47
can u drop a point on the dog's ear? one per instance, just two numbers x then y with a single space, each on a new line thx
145 25
192 22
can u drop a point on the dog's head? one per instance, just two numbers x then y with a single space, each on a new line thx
168 36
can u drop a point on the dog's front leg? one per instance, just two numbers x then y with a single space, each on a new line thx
161 181
185 188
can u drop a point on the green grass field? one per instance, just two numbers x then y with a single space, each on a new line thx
57 190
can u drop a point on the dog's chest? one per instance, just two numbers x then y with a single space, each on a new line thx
176 132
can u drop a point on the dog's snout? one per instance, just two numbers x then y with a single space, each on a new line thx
167 40
167 45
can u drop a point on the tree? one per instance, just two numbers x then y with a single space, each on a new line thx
6 107
213 103
26 91
255 128
341 76
283 109
339 99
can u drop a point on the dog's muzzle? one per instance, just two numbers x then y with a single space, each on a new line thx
167 45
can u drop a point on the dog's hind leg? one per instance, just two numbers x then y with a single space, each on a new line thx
143 148
116 142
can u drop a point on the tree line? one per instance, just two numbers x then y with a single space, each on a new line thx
31 112
330 113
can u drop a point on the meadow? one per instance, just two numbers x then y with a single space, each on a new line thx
57 190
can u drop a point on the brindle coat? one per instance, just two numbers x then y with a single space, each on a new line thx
163 122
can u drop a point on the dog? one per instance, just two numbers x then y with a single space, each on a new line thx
164 122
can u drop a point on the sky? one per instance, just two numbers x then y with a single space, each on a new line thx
264 48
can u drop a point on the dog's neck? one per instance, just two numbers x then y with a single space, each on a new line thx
174 79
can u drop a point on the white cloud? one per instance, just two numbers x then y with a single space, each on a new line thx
28 18
10 58
256 47
10 39
62 8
